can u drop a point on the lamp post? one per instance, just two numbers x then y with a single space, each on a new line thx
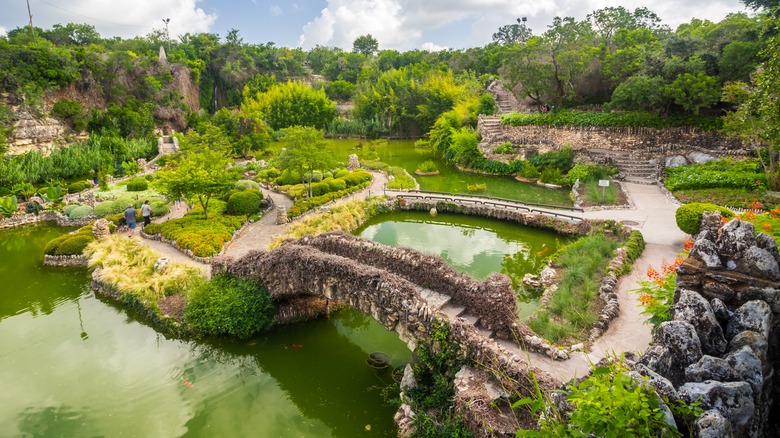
167 35
521 21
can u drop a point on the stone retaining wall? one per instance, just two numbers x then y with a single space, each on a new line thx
644 140
721 346
66 260
20 219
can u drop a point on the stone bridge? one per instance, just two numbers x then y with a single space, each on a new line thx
404 290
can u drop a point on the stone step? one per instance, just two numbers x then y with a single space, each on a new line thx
435 299
470 318
639 180
485 332
511 346
452 310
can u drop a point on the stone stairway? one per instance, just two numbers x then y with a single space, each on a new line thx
443 303
491 132
505 99
634 167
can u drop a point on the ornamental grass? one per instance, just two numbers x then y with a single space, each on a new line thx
128 266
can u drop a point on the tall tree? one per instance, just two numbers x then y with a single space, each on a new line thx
365 45
304 151
512 33
197 175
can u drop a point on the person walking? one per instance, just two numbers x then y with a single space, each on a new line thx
146 213
130 219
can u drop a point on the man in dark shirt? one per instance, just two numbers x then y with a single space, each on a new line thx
130 219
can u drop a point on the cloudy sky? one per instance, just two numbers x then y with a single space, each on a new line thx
396 24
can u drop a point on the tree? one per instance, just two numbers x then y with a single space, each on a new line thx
291 104
693 92
757 119
640 93
758 4
366 45
528 66
304 151
512 33
569 44
197 175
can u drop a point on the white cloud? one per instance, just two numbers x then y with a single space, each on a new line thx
275 10
3 31
431 47
401 24
129 19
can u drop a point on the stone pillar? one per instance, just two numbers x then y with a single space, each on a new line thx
281 215
353 162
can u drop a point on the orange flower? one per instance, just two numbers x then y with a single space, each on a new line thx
646 299
776 212
767 227
749 216
724 220
678 262
652 273
688 244
755 205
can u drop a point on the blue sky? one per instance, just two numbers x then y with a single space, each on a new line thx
396 24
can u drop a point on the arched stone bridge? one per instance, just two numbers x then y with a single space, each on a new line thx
402 289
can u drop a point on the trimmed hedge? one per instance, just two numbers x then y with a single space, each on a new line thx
243 203
69 208
247 184
612 119
137 185
688 216
80 212
79 186
74 246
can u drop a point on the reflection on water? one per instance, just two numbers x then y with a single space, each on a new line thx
72 364
474 245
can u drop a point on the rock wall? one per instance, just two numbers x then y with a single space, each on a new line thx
20 219
721 346
66 260
643 140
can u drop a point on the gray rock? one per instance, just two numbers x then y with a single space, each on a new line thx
740 365
735 238
717 290
676 161
693 308
732 400
765 241
661 384
699 157
711 424
675 346
710 224
754 315
706 251
753 340
758 262
722 313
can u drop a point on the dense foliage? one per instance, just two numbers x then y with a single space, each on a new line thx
291 104
723 173
229 306
688 216
610 119
70 244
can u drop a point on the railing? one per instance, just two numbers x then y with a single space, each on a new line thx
495 202
504 200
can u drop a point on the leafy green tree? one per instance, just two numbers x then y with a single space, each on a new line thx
569 45
365 45
761 4
738 61
291 104
304 151
340 90
693 92
243 133
512 33
640 93
198 175
529 68
757 119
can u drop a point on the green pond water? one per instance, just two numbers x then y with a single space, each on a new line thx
474 245
74 364
402 153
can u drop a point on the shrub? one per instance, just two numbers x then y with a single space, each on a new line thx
229 306
589 172
723 173
243 203
628 118
69 208
79 186
688 216
53 244
475 188
551 175
80 212
427 166
504 148
563 160
315 176
74 245
527 170
357 177
247 184
340 173
288 177
137 185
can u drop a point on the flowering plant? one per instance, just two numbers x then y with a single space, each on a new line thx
656 294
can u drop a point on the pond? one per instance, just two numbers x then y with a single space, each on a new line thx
474 245
75 364
402 153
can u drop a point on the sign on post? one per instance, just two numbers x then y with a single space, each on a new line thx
603 183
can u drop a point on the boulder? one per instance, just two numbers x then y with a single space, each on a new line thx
161 263
675 346
676 161
754 316
765 241
738 366
661 384
711 424
706 251
758 262
693 308
732 400
735 238
699 158
757 343
353 162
